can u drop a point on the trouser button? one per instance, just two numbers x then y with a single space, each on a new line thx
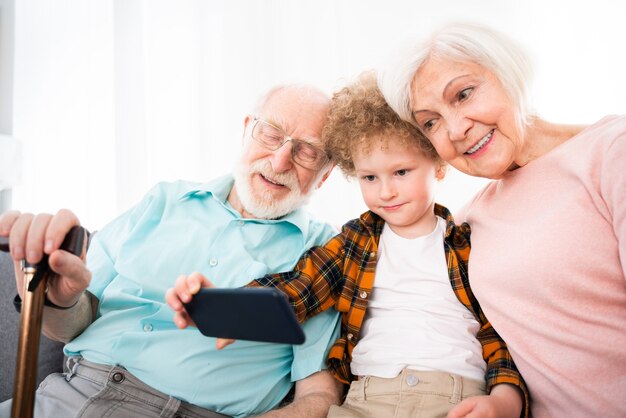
412 380
117 377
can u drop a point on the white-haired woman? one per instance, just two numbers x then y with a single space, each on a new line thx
548 257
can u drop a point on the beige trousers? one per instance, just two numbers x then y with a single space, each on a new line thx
410 394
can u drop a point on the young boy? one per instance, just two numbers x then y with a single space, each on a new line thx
412 329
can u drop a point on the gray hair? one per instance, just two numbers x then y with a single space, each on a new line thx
305 92
464 42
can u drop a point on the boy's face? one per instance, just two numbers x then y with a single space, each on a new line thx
398 183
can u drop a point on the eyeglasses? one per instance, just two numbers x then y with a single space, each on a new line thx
303 153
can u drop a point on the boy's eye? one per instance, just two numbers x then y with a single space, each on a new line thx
465 93
369 178
402 172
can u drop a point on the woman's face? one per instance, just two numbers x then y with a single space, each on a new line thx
467 115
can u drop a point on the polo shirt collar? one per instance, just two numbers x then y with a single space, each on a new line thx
220 187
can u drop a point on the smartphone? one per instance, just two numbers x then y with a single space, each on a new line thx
254 314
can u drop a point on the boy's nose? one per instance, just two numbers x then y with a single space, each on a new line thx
387 191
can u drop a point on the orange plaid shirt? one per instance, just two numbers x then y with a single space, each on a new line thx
341 274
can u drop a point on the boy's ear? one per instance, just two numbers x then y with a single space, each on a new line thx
440 174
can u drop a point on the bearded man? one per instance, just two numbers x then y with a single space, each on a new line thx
126 356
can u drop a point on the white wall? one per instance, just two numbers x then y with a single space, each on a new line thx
114 95
63 107
6 66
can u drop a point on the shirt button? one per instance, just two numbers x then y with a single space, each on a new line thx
148 327
241 223
350 336
363 294
373 254
213 262
412 380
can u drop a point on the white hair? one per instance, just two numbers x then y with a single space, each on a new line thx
461 42
305 92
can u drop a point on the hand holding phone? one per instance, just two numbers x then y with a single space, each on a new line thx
255 314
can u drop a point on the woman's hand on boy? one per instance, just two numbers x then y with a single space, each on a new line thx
504 401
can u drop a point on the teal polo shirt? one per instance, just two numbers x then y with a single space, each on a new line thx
179 228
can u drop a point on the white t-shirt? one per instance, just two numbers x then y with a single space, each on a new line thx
414 320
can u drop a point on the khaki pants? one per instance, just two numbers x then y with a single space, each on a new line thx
410 394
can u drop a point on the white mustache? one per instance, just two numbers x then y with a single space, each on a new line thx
287 179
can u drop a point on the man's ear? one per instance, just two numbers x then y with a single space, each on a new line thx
246 122
325 176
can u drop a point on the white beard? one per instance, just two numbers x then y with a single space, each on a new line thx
261 203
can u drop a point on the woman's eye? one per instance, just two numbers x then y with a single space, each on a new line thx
427 126
465 93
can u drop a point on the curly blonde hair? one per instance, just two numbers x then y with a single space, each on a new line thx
360 118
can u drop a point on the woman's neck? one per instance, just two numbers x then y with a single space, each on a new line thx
542 137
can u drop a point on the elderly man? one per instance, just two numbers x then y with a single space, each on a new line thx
126 356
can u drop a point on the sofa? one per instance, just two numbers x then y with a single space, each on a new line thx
50 352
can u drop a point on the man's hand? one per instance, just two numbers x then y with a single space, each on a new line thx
182 292
313 397
505 401
32 236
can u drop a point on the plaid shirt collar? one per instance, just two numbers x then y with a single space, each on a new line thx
374 223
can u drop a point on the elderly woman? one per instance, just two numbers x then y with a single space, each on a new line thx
548 257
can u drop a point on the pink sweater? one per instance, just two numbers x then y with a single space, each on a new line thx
548 266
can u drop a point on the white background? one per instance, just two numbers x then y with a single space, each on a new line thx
111 96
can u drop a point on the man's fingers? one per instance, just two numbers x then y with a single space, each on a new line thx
187 286
67 264
73 279
172 299
179 320
35 237
223 342
7 219
57 228
182 320
182 292
184 289
196 281
30 236
19 234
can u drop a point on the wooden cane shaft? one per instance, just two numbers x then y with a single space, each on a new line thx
28 350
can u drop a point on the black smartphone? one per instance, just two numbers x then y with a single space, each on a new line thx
255 314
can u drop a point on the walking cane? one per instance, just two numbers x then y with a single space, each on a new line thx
35 282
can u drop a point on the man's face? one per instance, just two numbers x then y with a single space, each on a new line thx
269 183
